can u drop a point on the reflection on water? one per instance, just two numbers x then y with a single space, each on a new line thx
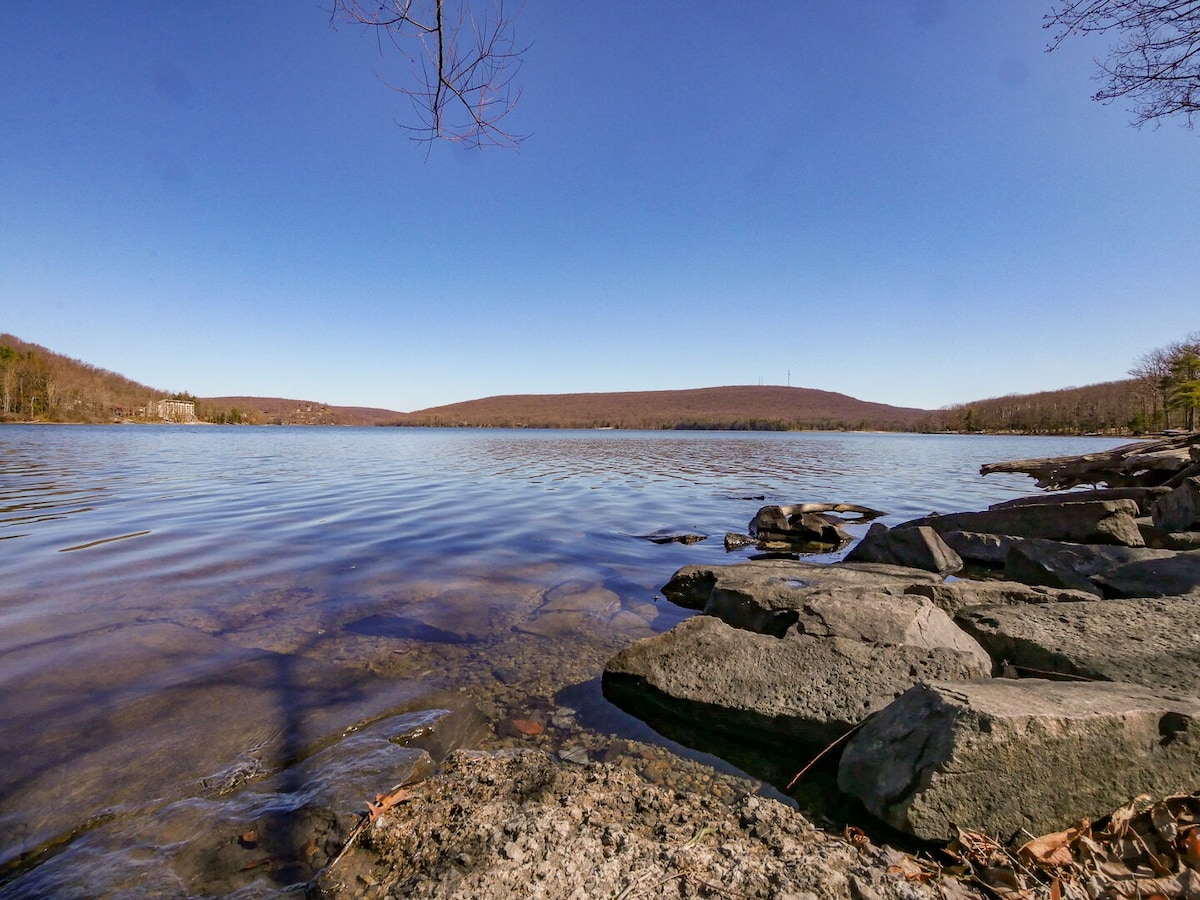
236 594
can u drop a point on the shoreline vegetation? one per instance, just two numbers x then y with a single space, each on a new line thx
38 385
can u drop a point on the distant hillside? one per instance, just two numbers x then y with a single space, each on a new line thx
37 384
759 407
277 411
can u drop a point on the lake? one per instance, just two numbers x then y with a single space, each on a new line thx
178 599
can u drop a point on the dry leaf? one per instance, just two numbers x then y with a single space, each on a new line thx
384 802
1050 849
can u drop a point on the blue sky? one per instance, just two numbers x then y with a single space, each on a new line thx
907 201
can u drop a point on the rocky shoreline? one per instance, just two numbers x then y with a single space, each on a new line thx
1053 687
962 717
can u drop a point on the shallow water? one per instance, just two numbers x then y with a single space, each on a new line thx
178 599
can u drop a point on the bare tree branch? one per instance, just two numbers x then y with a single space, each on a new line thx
462 66
1156 60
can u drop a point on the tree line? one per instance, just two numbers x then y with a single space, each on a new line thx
1163 393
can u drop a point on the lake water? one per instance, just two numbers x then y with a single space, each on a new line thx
175 600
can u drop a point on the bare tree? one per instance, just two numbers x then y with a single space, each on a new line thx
463 65
1155 62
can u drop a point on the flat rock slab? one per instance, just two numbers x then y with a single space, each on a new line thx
1144 497
956 595
1002 755
1152 642
1095 522
1168 575
1080 567
763 689
765 595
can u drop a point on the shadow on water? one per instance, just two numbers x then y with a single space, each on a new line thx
125 766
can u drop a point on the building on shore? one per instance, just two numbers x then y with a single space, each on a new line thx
174 410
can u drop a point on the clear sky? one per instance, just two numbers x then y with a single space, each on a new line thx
907 201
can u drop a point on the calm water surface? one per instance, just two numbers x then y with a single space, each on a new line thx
173 598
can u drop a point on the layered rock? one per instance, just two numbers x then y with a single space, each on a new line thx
954 596
791 651
1080 567
1151 642
1095 522
761 689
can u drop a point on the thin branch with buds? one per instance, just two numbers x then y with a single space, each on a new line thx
463 75
1156 62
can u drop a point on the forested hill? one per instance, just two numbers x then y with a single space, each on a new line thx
760 408
37 384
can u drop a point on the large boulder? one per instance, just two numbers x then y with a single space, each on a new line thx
1095 522
1058 564
1001 756
1152 642
1179 510
765 595
919 548
805 688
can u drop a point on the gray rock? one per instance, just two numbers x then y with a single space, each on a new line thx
953 596
919 548
1179 510
1152 642
796 526
1097 522
985 549
1079 567
760 689
1166 574
999 756
735 541
1144 497
765 595
881 617
1160 539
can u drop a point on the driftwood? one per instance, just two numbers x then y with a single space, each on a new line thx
801 508
1144 464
